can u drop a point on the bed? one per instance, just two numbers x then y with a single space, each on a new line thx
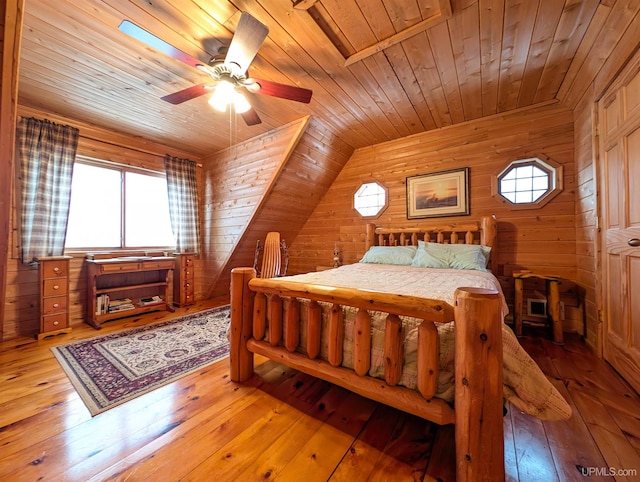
392 339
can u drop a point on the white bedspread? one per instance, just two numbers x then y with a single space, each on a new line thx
525 386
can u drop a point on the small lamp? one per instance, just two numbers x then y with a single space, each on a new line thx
336 256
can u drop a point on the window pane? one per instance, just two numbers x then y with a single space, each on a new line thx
147 220
94 216
541 182
523 184
369 199
538 194
524 171
523 197
507 185
538 172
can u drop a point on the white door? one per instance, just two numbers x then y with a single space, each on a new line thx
619 119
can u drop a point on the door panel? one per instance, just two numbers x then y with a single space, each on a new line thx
616 327
633 163
614 176
619 115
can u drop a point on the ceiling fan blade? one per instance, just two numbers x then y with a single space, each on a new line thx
290 92
251 117
154 42
246 41
187 94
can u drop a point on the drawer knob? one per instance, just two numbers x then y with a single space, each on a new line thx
56 269
56 305
634 242
56 287
56 323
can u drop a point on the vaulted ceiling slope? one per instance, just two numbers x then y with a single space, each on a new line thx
379 70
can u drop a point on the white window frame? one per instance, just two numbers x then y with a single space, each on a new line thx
122 168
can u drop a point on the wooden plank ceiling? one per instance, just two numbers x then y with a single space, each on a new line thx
379 69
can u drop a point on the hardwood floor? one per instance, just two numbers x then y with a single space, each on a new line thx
288 426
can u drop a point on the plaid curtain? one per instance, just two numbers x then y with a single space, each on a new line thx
183 202
46 152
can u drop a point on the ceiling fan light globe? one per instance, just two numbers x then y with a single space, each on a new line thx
222 95
240 103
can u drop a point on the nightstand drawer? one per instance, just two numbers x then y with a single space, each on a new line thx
54 287
54 269
54 322
57 304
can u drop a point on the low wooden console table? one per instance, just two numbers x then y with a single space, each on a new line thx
553 302
134 277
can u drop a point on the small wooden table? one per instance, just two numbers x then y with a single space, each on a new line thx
128 276
553 302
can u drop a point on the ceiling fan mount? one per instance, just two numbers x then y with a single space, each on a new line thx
228 67
222 71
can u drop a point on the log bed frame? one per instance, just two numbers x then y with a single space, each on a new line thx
478 344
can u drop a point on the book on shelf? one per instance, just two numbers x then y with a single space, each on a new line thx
152 300
102 304
129 306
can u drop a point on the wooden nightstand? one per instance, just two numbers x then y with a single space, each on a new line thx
183 279
553 302
54 295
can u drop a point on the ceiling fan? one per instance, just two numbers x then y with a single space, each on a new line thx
228 71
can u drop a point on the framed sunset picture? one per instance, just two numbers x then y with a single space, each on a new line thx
444 193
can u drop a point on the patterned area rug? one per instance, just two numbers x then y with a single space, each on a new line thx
112 369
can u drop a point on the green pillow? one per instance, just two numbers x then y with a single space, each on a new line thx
402 255
451 256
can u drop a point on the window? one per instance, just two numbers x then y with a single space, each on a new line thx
114 206
530 182
370 199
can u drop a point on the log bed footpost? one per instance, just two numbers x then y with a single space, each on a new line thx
478 405
241 359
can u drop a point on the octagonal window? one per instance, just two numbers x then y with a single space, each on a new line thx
370 199
530 182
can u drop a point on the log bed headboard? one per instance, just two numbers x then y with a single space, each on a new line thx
483 232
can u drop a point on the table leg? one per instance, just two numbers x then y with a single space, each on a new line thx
517 319
554 311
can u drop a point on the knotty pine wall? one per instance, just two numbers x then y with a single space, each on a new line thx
270 183
541 239
22 303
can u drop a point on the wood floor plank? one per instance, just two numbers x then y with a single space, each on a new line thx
238 454
407 452
442 463
510 458
326 449
534 459
368 448
201 424
272 461
612 442
565 436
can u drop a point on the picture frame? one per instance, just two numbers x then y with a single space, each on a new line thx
444 193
